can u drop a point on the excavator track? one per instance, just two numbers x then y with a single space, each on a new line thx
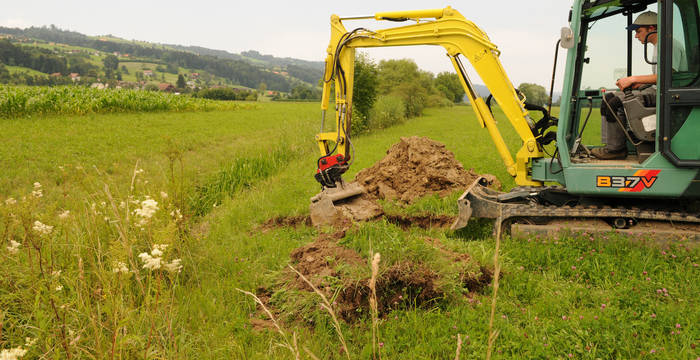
524 210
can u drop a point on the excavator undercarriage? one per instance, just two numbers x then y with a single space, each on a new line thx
549 210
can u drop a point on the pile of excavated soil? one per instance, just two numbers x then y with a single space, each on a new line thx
326 264
416 167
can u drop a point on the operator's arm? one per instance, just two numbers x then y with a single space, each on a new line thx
636 81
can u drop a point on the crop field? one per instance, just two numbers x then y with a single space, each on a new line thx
153 234
28 101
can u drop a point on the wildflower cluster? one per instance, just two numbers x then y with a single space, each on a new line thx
18 352
120 267
154 260
146 211
14 247
37 192
41 228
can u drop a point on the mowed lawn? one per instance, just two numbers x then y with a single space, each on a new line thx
576 296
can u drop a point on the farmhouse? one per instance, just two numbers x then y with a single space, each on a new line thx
166 87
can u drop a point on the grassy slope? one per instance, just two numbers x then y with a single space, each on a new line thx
539 287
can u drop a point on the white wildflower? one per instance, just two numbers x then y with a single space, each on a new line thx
56 273
150 262
176 214
122 205
174 266
61 168
160 247
148 208
10 201
120 267
59 287
156 252
138 171
12 354
37 193
37 186
103 204
41 228
163 195
64 214
14 247
29 341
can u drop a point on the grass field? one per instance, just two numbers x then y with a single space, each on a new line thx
227 172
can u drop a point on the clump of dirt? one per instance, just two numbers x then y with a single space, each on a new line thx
285 221
421 221
416 167
320 259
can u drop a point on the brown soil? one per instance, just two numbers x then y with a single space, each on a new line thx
415 167
285 221
321 258
421 221
402 284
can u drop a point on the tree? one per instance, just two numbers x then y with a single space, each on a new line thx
404 79
364 93
534 94
181 83
111 62
450 86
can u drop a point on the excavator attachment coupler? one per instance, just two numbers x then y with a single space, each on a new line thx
473 203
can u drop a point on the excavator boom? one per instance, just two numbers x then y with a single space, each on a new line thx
458 36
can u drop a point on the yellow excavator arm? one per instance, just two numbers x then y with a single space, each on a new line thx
459 36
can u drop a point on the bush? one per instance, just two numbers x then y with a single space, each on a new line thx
414 97
388 110
226 94
438 101
360 123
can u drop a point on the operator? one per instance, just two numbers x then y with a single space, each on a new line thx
644 86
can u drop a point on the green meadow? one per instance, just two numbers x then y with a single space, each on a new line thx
130 235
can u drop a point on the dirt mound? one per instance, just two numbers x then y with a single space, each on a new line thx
421 221
319 260
341 273
415 167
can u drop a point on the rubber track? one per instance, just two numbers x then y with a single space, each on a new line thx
593 211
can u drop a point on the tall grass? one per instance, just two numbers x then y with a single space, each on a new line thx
77 100
241 174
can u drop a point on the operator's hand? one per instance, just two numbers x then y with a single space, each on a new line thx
626 82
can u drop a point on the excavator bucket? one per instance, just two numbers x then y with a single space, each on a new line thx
323 205
471 203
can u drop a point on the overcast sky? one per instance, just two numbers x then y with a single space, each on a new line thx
525 31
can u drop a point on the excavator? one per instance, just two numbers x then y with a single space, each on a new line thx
655 188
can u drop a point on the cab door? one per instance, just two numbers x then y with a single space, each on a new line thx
679 132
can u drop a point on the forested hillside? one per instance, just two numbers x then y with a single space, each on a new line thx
277 74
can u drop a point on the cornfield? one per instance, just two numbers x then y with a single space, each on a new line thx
75 100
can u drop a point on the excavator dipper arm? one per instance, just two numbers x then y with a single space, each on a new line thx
458 36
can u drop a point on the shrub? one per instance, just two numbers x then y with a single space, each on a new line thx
360 123
414 97
438 101
388 110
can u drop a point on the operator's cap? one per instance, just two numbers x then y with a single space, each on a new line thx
644 19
